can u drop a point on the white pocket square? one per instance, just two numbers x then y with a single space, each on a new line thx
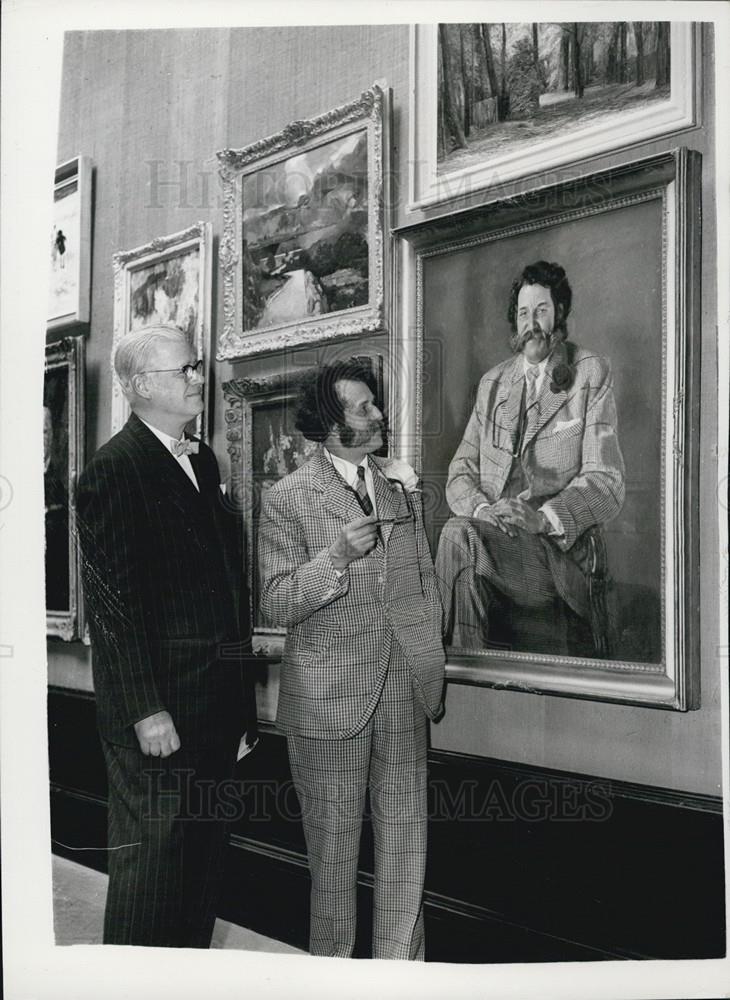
563 425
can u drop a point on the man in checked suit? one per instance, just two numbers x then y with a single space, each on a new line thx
538 467
345 567
168 618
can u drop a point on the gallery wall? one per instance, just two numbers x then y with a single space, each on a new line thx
150 109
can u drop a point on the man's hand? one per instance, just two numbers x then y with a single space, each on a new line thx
495 513
157 735
521 515
354 541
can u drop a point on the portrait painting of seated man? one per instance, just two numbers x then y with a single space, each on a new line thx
538 473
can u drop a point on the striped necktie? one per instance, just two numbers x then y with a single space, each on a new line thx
361 492
531 408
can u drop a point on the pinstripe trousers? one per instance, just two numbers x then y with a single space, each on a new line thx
388 758
167 836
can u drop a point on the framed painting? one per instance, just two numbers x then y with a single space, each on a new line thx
302 252
63 458
264 446
601 601
166 281
494 102
70 245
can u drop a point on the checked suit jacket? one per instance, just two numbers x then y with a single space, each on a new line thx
163 582
570 456
340 628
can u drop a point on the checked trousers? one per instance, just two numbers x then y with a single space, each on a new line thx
388 758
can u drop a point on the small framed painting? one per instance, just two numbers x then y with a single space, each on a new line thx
166 281
63 457
70 245
302 252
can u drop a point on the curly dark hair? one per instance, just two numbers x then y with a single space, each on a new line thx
320 407
550 276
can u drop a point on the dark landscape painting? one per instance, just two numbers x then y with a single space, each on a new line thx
504 86
305 234
55 487
277 448
167 291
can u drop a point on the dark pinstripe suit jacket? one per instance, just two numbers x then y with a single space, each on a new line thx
164 586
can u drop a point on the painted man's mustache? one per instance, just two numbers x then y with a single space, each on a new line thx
536 334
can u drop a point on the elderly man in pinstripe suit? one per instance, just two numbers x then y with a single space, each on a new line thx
345 567
538 466
168 617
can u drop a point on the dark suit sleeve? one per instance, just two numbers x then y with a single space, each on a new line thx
108 533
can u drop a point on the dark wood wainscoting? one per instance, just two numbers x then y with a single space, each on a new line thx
525 864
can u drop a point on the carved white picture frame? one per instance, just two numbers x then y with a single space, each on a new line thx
368 113
429 184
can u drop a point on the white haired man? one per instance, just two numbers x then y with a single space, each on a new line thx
168 618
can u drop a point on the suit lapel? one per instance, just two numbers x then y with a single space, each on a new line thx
336 495
387 499
511 391
341 501
548 401
165 470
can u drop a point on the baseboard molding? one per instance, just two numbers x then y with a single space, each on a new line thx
261 874
525 864
614 787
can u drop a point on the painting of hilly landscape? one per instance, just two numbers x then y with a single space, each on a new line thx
506 86
305 234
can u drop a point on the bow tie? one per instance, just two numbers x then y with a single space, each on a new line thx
184 447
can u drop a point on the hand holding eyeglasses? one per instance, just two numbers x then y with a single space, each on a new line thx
354 541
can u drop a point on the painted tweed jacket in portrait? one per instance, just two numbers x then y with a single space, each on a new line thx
570 458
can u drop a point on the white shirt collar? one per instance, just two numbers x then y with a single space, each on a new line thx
166 439
541 365
539 370
348 471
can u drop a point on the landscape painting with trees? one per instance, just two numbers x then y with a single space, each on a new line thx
502 86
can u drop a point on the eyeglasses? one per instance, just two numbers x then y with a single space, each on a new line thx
187 372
